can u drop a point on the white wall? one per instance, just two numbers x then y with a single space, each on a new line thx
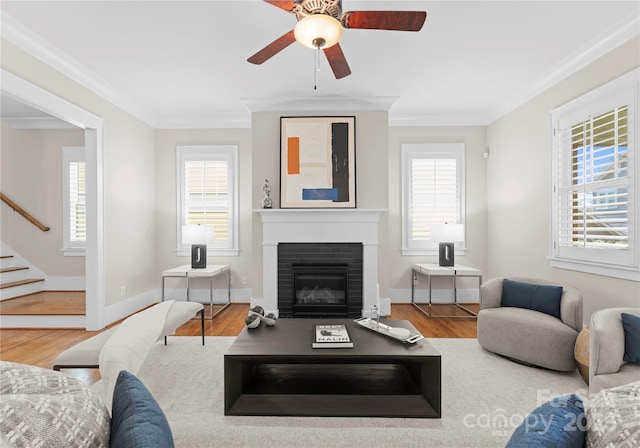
166 204
474 139
371 175
31 175
518 187
129 173
508 191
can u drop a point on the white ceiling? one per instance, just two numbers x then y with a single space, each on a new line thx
183 63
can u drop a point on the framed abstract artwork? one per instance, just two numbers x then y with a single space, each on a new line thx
317 162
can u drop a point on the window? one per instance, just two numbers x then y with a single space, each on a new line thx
594 192
433 193
208 194
73 202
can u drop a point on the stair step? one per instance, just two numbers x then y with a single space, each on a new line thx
13 269
12 274
20 283
6 261
46 303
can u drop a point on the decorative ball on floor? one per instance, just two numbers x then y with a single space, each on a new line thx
252 321
257 310
270 319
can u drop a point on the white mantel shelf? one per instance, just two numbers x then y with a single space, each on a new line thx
353 225
320 214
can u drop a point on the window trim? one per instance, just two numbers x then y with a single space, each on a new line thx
602 98
70 154
218 152
409 150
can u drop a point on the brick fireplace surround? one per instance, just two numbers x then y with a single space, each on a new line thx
320 226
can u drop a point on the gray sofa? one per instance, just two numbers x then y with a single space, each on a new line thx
528 336
606 351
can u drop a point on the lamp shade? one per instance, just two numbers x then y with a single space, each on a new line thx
447 232
318 31
198 234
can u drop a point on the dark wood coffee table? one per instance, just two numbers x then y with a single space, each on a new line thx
275 371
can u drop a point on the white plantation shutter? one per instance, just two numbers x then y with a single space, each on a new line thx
433 192
594 192
77 209
594 184
206 199
207 193
74 214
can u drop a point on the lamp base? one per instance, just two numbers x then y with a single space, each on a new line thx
446 254
198 256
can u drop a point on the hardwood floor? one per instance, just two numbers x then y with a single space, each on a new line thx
67 303
40 347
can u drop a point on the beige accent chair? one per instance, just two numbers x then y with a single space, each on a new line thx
528 336
606 351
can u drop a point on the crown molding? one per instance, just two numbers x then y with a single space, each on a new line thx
438 120
212 122
321 103
16 33
586 55
39 123
25 39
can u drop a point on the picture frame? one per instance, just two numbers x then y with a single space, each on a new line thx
318 162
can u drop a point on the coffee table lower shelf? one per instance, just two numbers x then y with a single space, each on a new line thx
314 405
369 389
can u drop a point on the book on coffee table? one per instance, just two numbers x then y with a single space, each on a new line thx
332 336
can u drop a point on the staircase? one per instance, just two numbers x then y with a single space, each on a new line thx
15 281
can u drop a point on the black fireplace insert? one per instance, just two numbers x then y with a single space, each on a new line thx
320 289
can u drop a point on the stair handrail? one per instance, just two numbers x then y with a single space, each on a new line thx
16 208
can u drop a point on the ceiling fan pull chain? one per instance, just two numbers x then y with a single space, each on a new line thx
316 69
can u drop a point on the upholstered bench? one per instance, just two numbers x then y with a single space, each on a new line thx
85 354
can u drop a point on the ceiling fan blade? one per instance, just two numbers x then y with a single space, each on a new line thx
273 48
337 61
287 5
384 20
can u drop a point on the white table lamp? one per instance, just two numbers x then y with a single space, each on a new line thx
446 235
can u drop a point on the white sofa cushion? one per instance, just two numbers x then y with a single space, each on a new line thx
130 344
44 408
613 417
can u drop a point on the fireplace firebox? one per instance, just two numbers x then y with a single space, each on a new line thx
320 289
320 280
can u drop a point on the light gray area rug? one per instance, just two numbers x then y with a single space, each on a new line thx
484 397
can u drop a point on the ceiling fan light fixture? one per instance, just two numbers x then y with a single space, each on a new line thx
318 31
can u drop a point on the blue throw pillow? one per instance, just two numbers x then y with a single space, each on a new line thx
560 422
631 325
543 298
136 419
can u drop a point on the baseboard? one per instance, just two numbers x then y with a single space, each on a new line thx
385 307
131 305
124 308
238 295
439 296
14 321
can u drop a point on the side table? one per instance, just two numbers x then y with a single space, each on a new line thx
454 272
210 272
581 354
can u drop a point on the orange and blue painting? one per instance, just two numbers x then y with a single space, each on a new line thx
317 162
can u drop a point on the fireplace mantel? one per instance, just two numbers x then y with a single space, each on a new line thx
321 214
320 226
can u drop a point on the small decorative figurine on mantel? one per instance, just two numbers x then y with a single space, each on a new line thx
267 202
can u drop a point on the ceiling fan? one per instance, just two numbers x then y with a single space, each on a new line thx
320 24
